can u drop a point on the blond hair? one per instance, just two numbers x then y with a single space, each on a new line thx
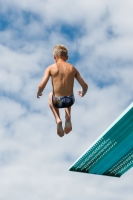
60 51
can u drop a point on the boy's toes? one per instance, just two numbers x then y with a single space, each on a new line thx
67 130
60 131
68 127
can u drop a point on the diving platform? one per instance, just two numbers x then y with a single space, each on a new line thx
112 153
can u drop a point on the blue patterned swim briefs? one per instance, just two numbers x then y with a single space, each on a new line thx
63 101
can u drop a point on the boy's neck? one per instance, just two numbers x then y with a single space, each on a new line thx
60 59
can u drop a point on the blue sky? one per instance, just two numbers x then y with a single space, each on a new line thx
34 161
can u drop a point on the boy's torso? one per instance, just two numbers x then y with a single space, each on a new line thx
62 75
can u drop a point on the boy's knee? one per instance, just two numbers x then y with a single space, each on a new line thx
50 103
50 98
50 95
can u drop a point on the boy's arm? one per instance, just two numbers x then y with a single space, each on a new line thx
43 82
83 84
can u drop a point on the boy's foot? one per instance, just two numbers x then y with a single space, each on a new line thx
68 125
60 131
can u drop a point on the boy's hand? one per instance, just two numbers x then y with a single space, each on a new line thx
38 95
80 93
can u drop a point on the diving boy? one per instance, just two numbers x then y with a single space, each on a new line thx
62 76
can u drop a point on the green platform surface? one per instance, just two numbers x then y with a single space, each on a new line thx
112 153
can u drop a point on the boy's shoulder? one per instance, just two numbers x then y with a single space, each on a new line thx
71 65
54 66
50 67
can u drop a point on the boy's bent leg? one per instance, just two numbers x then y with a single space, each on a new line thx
57 116
68 124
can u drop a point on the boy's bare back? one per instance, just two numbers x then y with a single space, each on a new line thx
62 77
